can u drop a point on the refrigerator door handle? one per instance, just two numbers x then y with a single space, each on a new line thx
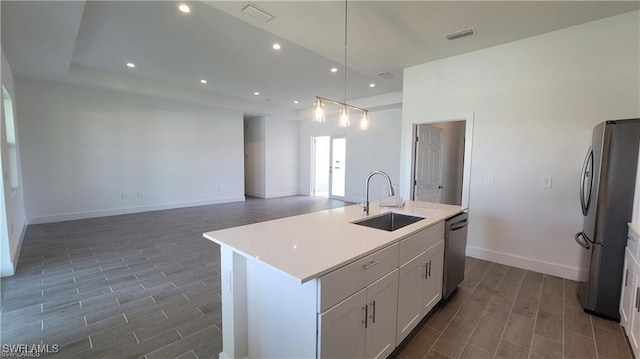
586 178
583 243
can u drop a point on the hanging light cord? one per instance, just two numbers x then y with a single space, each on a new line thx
345 51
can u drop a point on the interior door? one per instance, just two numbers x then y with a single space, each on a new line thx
338 167
428 166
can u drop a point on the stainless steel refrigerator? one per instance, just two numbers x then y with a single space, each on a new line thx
606 196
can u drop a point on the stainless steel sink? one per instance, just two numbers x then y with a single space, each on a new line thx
389 221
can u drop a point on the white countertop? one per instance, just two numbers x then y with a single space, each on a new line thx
636 228
310 245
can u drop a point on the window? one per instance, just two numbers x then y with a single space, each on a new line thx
10 130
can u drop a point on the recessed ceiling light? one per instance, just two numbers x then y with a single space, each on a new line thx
131 65
184 8
256 93
203 81
296 102
372 85
276 46
333 69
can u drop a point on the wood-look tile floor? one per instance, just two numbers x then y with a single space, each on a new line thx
148 285
129 286
505 312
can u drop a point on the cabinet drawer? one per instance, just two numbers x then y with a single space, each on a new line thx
416 243
341 283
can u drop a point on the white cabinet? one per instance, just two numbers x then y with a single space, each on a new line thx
382 309
433 280
420 278
363 325
630 296
342 332
634 315
419 288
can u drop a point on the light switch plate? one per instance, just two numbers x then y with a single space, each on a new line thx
545 181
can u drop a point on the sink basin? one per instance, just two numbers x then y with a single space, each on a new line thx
389 221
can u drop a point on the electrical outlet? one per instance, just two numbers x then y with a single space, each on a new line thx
486 180
123 196
545 181
11 231
139 195
219 188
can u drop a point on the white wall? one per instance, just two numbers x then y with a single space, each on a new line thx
254 157
271 159
535 102
367 151
91 152
13 223
281 157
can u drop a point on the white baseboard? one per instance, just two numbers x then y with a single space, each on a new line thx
535 265
127 210
281 194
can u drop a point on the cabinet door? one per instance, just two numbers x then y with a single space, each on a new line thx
634 315
434 260
410 290
342 328
628 291
382 304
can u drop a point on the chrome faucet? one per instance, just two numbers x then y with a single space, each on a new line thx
365 208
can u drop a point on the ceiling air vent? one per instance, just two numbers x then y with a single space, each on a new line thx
459 34
386 75
259 14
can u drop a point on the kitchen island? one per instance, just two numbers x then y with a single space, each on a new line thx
318 285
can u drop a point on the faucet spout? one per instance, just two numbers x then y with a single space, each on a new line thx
365 208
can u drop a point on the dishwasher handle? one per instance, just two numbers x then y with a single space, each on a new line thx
458 225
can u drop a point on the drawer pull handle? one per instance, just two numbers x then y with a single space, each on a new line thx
367 266
429 270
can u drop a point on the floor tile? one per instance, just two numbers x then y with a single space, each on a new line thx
487 335
519 330
453 339
92 285
543 348
610 344
578 346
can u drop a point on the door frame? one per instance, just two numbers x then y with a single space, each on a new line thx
468 146
312 167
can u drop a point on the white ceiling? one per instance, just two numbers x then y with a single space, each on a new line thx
220 43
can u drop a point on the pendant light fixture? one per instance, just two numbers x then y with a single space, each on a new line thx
344 119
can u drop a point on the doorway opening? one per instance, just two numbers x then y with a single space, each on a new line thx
328 169
439 162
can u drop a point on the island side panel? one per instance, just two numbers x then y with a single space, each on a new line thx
233 268
282 313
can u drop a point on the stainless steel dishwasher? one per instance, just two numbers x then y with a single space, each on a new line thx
455 242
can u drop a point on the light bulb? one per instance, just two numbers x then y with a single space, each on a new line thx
344 117
318 115
364 122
